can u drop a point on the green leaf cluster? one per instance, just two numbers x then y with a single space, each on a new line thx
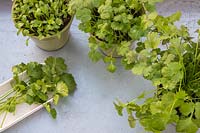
40 83
115 24
169 58
40 18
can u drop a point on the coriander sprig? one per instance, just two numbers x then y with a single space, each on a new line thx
42 82
169 57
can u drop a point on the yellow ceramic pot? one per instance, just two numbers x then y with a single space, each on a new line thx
54 42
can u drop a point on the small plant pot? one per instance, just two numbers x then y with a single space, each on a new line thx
53 42
110 52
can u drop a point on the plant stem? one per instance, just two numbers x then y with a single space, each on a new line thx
197 74
4 118
173 106
195 80
6 94
145 10
195 57
191 115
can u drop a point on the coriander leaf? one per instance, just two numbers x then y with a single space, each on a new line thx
68 79
83 14
53 113
124 48
168 99
29 99
152 15
42 96
62 89
12 107
152 41
158 123
54 66
174 17
186 125
97 3
135 33
139 68
187 108
94 55
153 123
105 11
181 94
197 122
142 95
17 69
132 121
47 107
119 109
19 87
157 107
56 99
86 27
34 70
27 41
111 67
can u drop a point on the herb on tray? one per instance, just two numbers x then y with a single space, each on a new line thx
42 82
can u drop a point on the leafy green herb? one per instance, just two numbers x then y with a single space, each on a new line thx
40 18
169 57
115 25
44 81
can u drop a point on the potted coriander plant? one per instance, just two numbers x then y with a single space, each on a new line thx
112 25
172 63
46 22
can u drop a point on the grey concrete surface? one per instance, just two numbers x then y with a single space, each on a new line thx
90 109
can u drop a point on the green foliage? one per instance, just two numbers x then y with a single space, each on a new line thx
114 24
168 57
84 14
68 79
197 110
40 18
62 89
44 81
186 125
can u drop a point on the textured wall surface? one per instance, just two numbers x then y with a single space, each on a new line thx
90 109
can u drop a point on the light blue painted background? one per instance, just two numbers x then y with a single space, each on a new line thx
90 109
